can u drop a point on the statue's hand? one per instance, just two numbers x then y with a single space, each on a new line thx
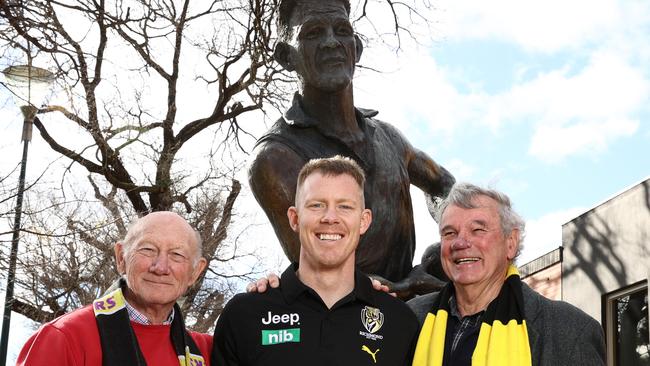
433 204
263 283
417 283
426 277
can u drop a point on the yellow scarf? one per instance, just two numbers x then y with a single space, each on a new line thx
503 337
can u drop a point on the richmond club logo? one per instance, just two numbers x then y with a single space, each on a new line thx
372 319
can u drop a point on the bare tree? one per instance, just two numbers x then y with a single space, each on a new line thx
152 36
128 140
126 69
72 263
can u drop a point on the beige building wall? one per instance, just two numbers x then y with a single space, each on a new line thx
607 248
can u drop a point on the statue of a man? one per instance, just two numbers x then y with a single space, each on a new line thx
317 41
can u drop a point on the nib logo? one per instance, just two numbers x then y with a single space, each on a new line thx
271 337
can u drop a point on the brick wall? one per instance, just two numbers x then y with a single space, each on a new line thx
547 282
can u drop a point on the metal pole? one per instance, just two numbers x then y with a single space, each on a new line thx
9 296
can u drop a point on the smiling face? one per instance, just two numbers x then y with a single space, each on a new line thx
323 49
329 218
160 263
475 252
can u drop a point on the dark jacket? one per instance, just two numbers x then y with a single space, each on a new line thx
559 333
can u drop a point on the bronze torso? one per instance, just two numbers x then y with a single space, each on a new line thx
387 247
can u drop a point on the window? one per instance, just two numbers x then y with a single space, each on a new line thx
627 326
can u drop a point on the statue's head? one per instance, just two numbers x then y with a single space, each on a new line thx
316 40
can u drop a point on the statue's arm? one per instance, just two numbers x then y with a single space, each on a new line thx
423 172
433 179
272 176
427 175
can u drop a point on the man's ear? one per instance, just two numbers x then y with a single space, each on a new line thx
366 220
282 54
292 214
119 257
198 269
512 242
358 45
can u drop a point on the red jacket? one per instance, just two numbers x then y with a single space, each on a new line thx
73 340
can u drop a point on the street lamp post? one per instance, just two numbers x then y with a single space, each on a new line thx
30 86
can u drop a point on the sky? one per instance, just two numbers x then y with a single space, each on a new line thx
545 101
548 102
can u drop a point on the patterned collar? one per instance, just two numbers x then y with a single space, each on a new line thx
466 324
453 311
138 317
296 115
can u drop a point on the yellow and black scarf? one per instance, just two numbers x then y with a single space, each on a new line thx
119 344
503 337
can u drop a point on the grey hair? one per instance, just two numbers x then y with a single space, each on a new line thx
135 228
465 194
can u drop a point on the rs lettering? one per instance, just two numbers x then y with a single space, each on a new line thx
105 305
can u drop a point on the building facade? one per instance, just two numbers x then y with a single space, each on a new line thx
605 270
603 267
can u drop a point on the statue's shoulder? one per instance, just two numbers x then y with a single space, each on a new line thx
272 156
370 118
277 130
288 133
388 131
303 140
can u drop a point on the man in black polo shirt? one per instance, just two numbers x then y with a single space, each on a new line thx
325 312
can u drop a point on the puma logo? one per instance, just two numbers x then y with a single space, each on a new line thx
373 354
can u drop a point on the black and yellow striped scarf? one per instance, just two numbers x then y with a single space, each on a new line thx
503 337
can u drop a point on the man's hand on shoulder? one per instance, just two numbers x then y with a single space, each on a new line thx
260 286
381 287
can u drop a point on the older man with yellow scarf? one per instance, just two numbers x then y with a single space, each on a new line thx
486 315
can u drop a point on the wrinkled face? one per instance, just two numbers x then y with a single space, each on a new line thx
323 47
159 265
329 218
475 252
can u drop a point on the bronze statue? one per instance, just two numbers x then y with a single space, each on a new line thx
317 41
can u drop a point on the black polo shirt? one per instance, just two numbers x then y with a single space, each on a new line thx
291 325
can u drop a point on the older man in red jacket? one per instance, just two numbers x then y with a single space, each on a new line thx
138 321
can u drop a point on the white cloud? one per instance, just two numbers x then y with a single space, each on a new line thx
545 233
414 93
461 169
582 113
426 229
553 143
535 25
574 108
572 112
